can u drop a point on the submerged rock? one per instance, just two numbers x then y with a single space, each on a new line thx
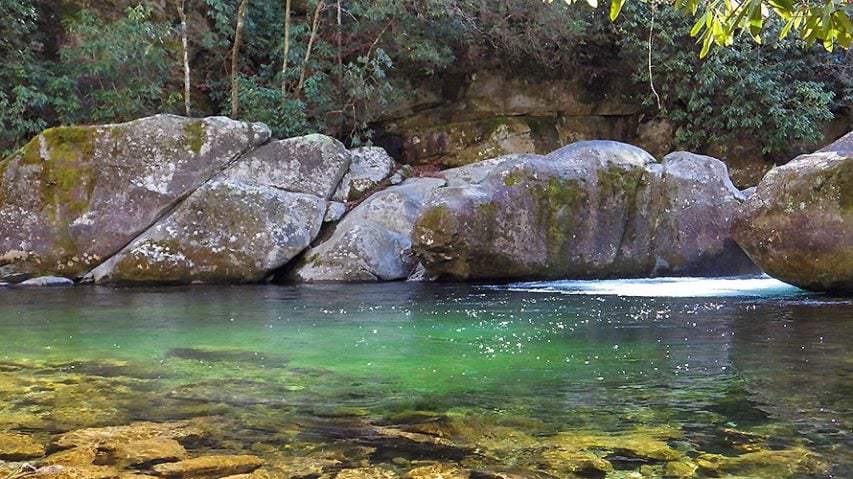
114 435
438 471
798 225
47 281
593 209
209 467
372 242
366 473
78 472
74 196
255 217
19 447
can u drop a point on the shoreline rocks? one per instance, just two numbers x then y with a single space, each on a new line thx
173 200
798 225
74 196
597 209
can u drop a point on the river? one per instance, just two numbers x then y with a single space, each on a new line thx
619 379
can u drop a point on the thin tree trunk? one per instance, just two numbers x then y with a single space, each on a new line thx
315 25
180 4
286 48
340 70
238 33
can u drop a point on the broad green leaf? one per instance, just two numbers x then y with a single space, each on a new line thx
615 8
697 27
843 21
786 29
706 45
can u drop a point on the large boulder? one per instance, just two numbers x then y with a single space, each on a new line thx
693 205
593 209
373 241
253 218
798 225
74 196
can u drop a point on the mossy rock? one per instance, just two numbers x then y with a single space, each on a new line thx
596 209
73 196
798 225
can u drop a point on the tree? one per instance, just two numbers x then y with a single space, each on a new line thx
180 5
720 21
235 56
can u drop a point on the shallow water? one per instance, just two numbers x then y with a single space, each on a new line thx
744 378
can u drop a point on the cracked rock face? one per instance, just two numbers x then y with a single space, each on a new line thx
798 225
74 196
595 209
254 217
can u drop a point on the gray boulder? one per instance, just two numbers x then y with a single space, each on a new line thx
370 165
798 225
694 205
253 218
595 209
46 281
74 196
842 146
311 164
226 232
372 242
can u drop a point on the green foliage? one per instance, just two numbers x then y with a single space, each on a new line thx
720 21
23 80
745 94
120 70
112 67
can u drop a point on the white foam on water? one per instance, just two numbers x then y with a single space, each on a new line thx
666 287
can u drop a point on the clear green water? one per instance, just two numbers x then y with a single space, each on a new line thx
504 375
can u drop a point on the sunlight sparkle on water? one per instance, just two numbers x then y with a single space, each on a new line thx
666 287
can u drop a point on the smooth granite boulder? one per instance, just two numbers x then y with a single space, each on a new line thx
312 164
226 232
74 196
798 225
257 215
597 209
372 242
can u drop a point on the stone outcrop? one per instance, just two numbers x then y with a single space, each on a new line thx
589 210
373 241
256 216
74 196
493 114
798 225
168 199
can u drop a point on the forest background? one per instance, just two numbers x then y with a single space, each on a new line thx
344 67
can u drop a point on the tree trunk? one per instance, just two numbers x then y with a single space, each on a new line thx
340 70
286 48
315 25
184 43
238 33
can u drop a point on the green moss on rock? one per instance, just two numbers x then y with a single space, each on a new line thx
66 178
194 135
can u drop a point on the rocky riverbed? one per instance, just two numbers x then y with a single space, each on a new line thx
92 420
